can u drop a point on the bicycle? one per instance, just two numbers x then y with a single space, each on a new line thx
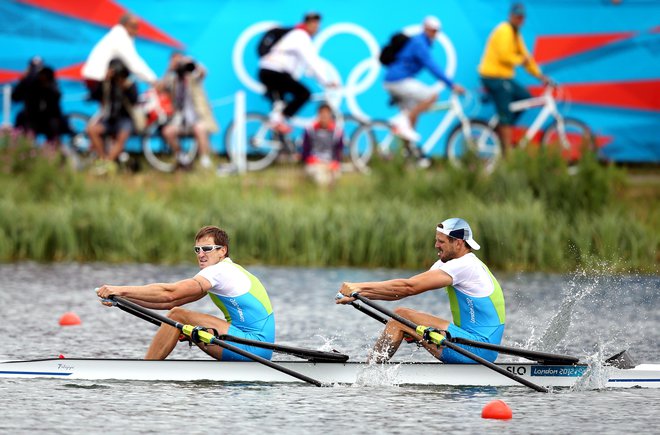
377 137
264 145
571 135
155 148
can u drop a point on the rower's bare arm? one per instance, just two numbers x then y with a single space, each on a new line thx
166 295
395 289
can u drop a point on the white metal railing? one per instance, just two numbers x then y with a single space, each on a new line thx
6 106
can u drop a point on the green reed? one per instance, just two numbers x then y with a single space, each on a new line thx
530 214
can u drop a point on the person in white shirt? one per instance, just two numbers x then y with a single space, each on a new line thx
118 43
280 69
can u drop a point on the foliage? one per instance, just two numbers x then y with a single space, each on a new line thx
530 214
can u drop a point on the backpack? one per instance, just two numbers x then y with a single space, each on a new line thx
389 52
270 38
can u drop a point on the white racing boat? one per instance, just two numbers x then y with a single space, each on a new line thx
328 368
328 373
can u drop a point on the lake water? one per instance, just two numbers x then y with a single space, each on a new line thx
578 314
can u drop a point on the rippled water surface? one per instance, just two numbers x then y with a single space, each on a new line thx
582 315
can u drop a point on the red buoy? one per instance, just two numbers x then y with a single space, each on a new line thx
69 319
497 409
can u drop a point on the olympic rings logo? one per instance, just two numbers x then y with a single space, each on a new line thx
360 78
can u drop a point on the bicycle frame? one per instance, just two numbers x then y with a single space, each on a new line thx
549 108
455 111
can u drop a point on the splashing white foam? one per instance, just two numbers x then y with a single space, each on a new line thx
378 375
597 374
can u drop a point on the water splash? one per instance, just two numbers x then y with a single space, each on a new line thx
378 375
598 373
579 287
328 343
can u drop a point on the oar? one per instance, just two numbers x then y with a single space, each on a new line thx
307 354
434 337
540 357
208 338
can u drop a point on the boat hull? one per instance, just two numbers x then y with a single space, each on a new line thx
644 375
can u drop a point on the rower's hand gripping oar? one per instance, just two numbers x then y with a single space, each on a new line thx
433 336
208 338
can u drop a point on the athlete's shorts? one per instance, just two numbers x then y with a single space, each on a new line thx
410 92
450 356
266 334
504 92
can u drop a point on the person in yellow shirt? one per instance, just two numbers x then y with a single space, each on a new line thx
505 50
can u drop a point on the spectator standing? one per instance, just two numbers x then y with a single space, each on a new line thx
413 96
192 110
40 94
504 51
118 96
322 149
281 67
118 43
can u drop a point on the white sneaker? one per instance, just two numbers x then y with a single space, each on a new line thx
275 117
401 127
205 162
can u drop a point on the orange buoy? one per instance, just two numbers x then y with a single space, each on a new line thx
69 319
497 409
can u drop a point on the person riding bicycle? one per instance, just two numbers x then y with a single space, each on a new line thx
192 111
280 69
413 96
118 43
504 51
118 96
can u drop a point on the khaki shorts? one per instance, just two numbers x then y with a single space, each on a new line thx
410 92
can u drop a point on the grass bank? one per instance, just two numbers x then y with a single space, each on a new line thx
528 215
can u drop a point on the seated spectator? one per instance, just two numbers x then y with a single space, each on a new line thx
192 111
323 145
40 94
118 96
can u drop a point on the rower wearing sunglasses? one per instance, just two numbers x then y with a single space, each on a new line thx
236 292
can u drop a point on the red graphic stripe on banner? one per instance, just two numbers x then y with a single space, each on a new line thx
553 48
70 72
8 75
105 13
640 95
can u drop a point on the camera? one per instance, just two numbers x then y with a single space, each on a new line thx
118 69
184 67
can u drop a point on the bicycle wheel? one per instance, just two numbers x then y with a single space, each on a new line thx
161 156
349 124
573 137
262 143
76 145
368 139
482 143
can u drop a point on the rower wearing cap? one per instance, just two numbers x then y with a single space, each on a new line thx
475 298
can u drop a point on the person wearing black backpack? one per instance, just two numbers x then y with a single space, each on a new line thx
407 57
284 54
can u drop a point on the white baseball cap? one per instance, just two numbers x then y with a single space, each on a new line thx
458 229
431 22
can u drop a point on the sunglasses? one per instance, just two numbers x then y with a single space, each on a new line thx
206 248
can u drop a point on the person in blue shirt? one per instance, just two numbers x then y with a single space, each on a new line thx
413 96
